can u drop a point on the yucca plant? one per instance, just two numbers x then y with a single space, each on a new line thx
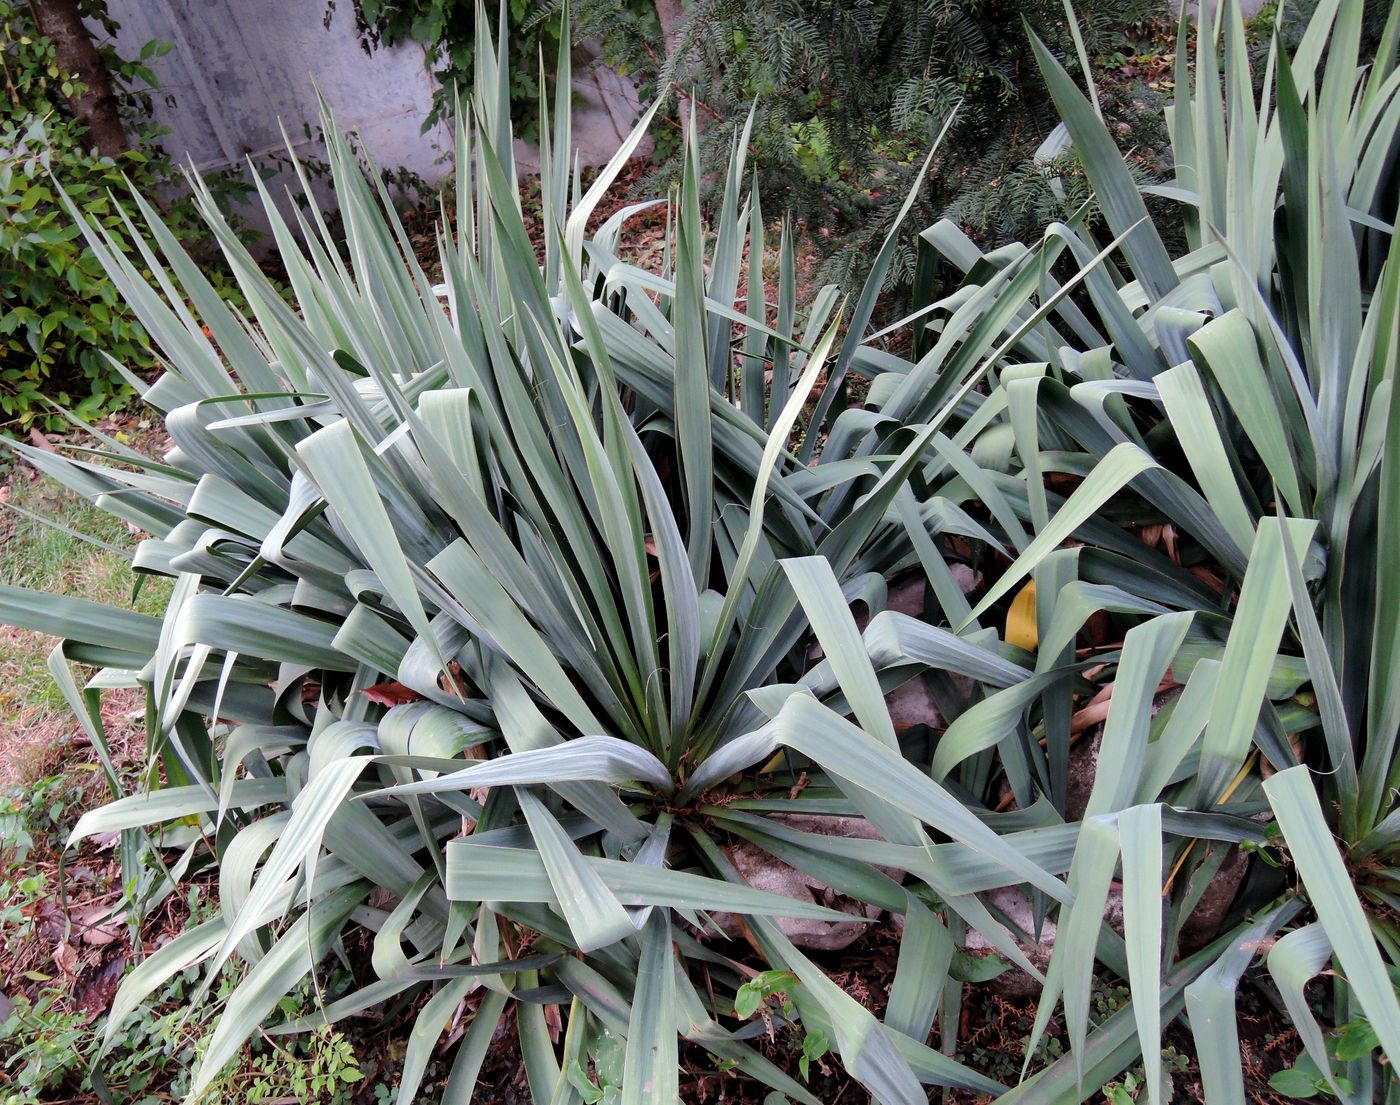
1203 448
488 596
504 605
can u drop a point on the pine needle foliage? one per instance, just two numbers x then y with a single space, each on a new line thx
848 96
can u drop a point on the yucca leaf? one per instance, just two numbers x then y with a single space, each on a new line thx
1383 700
1113 185
478 873
423 1039
869 294
242 624
1210 1001
893 638
693 385
147 977
739 576
820 595
650 1073
542 1071
1331 711
754 388
1257 626
1190 713
1110 475
1072 961
471 1052
723 283
1226 347
1148 650
598 758
172 803
925 954
594 915
986 723
299 844
1333 895
1140 839
506 626
845 751
86 707
866 1046
117 630
577 222
1293 962
1192 417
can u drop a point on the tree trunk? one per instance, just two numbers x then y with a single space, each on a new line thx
671 15
95 105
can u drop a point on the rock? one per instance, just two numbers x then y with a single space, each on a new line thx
1202 926
1083 766
1199 929
1016 904
606 107
764 871
907 592
907 596
1248 8
912 704
967 578
1084 749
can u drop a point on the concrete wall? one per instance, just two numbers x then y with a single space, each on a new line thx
238 67
1248 8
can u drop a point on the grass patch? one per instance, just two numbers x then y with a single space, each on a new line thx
34 719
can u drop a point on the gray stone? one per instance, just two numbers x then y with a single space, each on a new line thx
1204 923
912 704
1016 904
1200 928
1083 766
606 107
764 871
907 592
1248 8
907 596
968 579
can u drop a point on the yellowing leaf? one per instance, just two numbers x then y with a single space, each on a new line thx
1021 629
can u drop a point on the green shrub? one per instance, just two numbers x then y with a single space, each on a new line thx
64 324
848 96
846 99
42 1048
62 317
49 1031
